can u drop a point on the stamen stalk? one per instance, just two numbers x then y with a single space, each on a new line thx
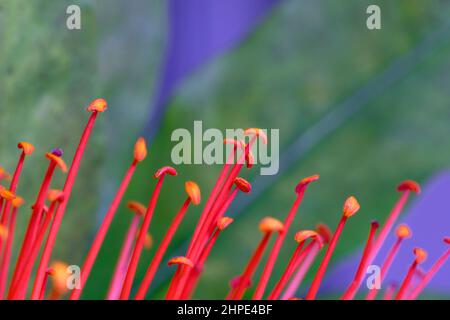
67 190
101 233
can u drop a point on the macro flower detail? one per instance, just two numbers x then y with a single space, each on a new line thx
48 280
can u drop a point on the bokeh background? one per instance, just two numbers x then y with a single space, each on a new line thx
365 109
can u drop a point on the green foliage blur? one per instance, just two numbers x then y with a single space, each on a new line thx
295 68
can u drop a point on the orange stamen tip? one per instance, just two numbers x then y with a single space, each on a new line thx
148 241
351 206
409 185
59 276
447 240
6 194
27 147
3 232
55 195
137 207
324 231
243 184
403 231
165 170
258 132
224 222
17 202
58 160
305 181
140 150
98 105
295 298
304 235
193 191
269 224
421 255
181 260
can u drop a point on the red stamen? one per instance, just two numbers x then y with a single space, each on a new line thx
194 196
351 206
241 185
21 284
406 187
300 237
125 252
390 291
27 150
212 197
131 272
268 226
421 256
18 287
256 132
48 273
324 232
208 226
33 224
431 273
220 200
140 152
310 254
353 288
233 286
222 203
402 232
98 105
180 261
5 262
300 190
222 224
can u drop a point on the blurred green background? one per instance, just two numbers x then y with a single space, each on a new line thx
296 68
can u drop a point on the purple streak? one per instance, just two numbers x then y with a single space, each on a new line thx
429 220
199 30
